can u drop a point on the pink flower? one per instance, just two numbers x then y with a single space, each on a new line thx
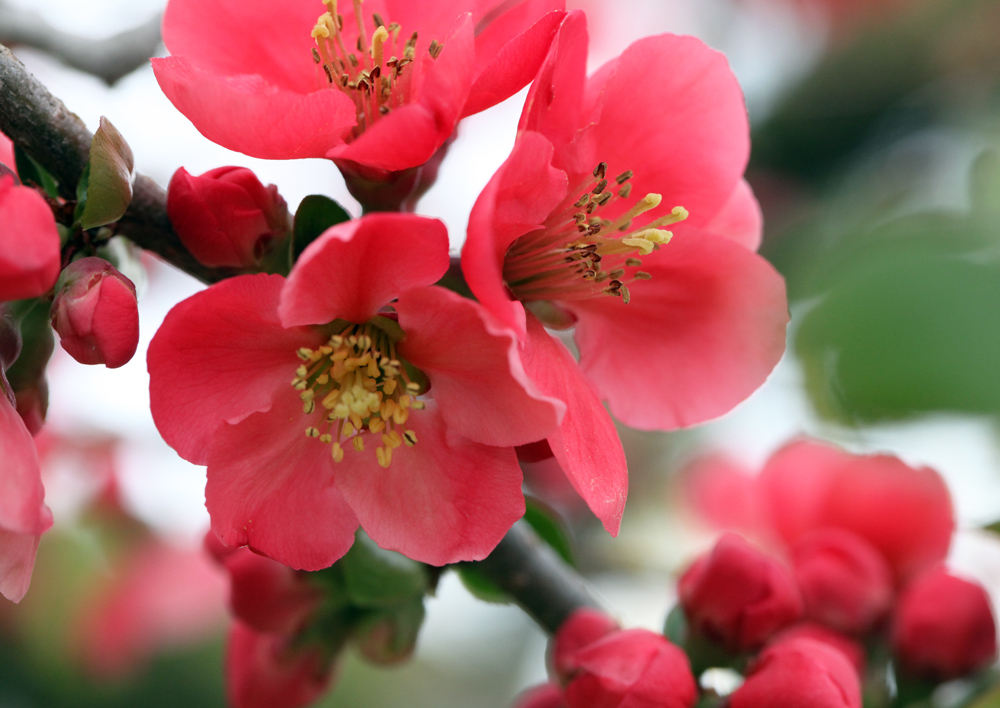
738 596
845 582
29 242
903 512
352 392
225 217
668 335
383 88
271 671
581 628
944 627
548 695
23 513
799 673
95 313
633 667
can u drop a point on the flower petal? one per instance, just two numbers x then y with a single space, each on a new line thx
249 114
29 243
475 371
516 201
272 488
218 357
740 218
586 445
358 267
444 500
22 507
17 560
694 341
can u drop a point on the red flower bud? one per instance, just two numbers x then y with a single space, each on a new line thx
267 671
548 695
845 582
583 627
944 627
799 673
29 243
738 596
630 667
849 647
225 217
95 313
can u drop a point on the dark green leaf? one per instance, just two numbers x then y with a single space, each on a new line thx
316 213
30 171
547 524
479 585
993 528
109 182
676 627
377 578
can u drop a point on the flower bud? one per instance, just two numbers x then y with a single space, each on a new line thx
548 695
225 217
390 636
95 313
738 596
799 673
29 243
583 627
630 667
268 671
944 627
845 582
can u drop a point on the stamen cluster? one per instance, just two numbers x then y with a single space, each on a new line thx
359 388
578 254
376 85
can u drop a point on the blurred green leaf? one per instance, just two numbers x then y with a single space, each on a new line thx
549 527
479 585
30 171
316 213
391 636
108 179
377 578
676 626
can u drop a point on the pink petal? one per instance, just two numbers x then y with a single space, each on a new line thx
17 560
356 268
271 671
694 341
409 135
671 111
510 49
444 500
249 114
22 507
218 357
516 201
272 488
475 371
6 151
740 218
554 102
29 243
586 445
260 37
434 19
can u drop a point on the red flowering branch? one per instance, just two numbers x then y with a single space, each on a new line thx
541 583
58 140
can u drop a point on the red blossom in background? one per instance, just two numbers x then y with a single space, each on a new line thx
669 335
305 398
225 217
268 79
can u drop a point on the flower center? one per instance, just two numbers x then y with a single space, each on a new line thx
376 85
356 388
577 254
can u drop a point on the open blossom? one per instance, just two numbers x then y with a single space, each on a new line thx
351 392
381 85
672 328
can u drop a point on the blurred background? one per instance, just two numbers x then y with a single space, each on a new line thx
876 159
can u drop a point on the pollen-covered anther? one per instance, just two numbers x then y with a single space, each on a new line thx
359 388
360 67
579 253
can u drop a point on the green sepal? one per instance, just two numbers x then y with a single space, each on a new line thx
675 628
316 213
375 577
30 171
479 585
549 527
106 184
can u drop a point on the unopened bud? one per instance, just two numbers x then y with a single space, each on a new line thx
225 217
95 313
29 243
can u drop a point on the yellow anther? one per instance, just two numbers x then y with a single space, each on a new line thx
337 452
326 438
376 425
349 430
384 456
312 432
400 415
410 438
330 399
358 442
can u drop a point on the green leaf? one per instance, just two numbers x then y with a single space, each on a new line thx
549 527
108 182
376 577
30 171
993 528
479 585
676 627
316 213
